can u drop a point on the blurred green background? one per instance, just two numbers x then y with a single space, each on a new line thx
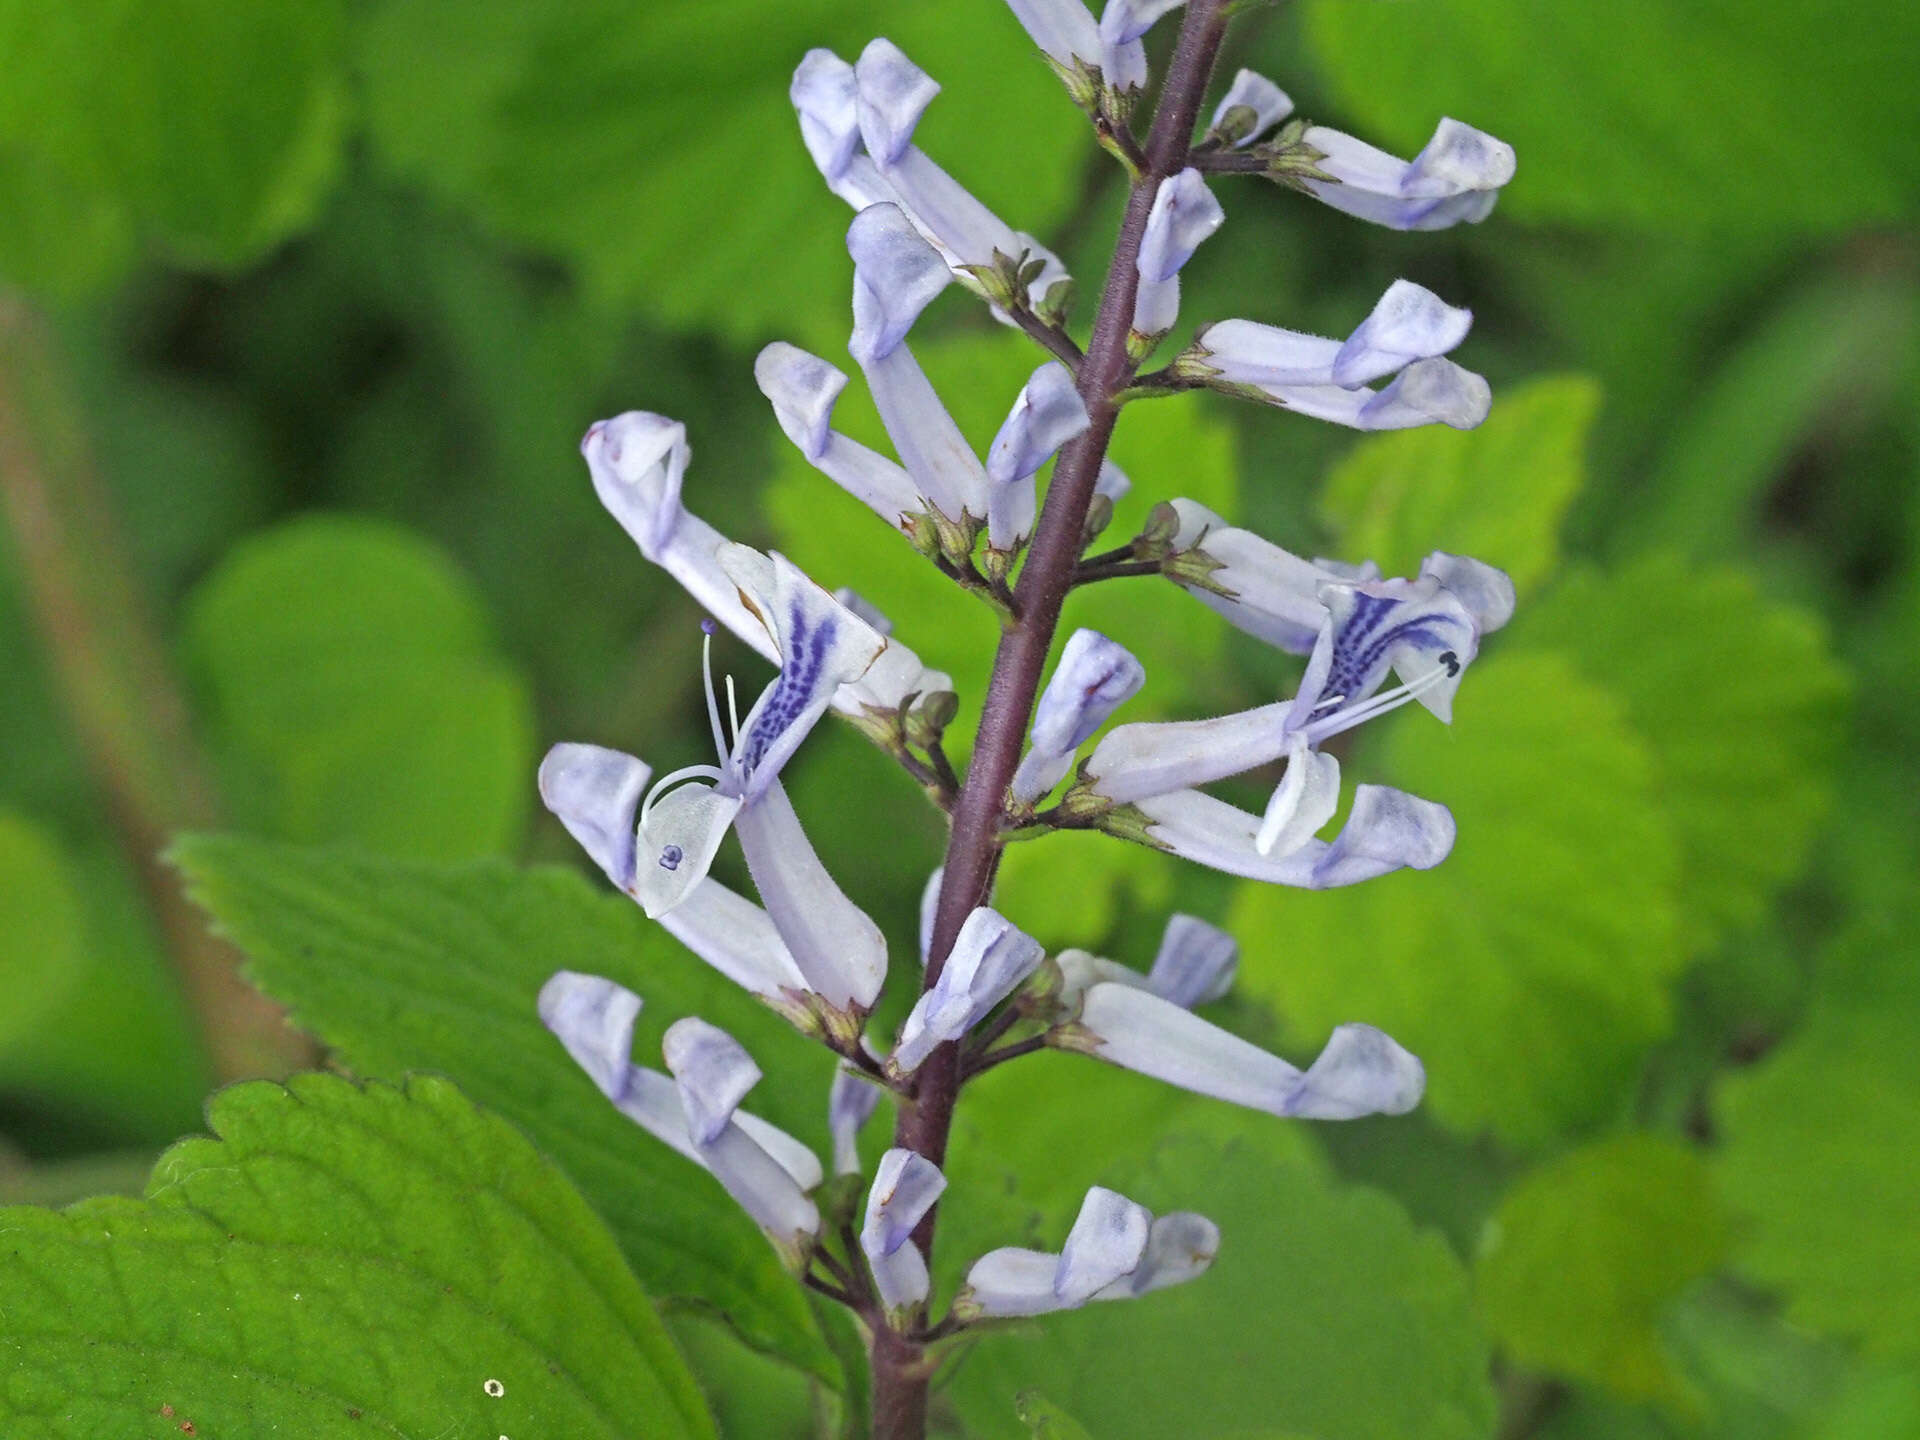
304 307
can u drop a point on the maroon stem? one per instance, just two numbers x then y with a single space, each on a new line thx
973 846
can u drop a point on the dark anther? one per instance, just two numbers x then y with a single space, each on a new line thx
1451 661
671 857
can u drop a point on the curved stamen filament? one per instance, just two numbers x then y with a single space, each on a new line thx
1340 720
720 746
675 778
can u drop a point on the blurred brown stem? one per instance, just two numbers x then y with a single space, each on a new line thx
118 688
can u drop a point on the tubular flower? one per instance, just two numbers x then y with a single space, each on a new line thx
1117 1250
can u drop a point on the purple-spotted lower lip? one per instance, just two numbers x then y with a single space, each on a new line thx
794 687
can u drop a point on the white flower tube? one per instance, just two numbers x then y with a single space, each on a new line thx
834 943
1386 830
1360 1072
896 274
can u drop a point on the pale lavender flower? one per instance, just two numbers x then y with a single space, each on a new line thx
1386 830
1360 1072
895 275
905 1187
763 1167
1095 677
1456 178
1117 1250
1047 414
1184 213
712 1074
687 813
845 108
1407 331
595 792
990 959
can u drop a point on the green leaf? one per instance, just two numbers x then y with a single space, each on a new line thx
96 1048
1530 970
603 133
1818 1146
356 694
1497 493
1832 354
1587 1251
405 966
1045 1419
210 128
1742 707
1731 107
1326 1313
338 1262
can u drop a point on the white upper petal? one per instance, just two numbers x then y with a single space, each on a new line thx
714 1073
637 461
896 274
596 793
894 93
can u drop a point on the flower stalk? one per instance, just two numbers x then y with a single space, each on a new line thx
900 1368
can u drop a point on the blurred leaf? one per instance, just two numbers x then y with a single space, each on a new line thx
1729 109
1829 356
1068 888
1047 1420
1882 1406
1820 1147
752 1395
1497 493
1586 1252
1327 1312
1530 970
96 1047
604 134
404 967
353 687
337 1253
42 933
1757 1378
1742 707
211 128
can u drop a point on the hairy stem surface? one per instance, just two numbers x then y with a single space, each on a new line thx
973 846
